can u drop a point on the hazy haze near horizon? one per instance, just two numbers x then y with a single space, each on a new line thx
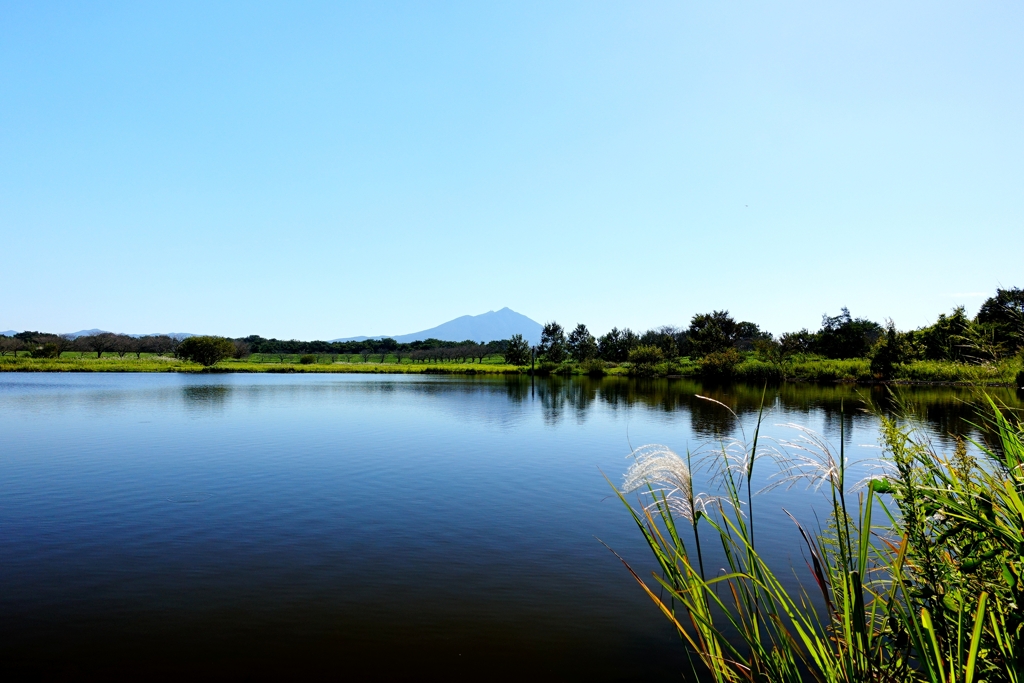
322 171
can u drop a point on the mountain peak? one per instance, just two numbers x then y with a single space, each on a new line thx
486 327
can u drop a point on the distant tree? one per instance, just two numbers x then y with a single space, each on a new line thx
774 353
643 358
387 345
205 350
159 344
44 348
517 350
242 349
139 345
616 344
480 351
798 342
29 336
1004 315
552 343
62 343
100 343
843 336
889 353
711 333
747 333
122 345
366 352
10 345
581 344
665 338
947 338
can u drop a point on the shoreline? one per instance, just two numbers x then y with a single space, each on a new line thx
165 365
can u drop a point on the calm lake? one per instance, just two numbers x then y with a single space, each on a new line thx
351 526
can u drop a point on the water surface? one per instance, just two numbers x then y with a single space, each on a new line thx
392 527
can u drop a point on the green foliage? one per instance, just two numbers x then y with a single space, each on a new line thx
711 333
552 343
643 359
891 351
308 359
843 336
616 344
930 594
517 350
1003 314
945 339
581 344
205 350
593 368
48 350
665 338
720 364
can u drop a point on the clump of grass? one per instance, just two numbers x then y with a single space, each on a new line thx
934 592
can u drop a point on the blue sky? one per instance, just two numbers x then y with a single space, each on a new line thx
324 170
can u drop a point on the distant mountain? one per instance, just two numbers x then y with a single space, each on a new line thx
489 326
89 333
173 335
85 333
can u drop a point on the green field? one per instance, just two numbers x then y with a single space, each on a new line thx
751 369
87 362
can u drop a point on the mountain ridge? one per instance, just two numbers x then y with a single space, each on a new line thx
486 327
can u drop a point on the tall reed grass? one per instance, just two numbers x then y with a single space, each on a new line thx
918 573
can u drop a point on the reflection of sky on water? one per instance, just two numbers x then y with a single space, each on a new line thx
317 514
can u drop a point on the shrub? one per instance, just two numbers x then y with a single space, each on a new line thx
593 368
546 367
720 364
307 359
48 350
644 358
205 350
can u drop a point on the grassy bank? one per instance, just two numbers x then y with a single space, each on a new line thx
749 368
165 364
859 370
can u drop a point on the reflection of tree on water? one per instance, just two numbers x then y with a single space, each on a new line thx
552 396
205 395
581 396
517 388
947 410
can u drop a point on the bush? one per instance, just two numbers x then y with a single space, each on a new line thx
644 359
45 351
546 367
307 359
593 368
205 350
752 370
720 364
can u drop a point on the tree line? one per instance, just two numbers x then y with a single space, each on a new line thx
49 345
996 332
